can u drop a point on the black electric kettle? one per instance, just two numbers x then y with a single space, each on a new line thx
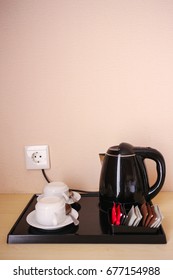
124 176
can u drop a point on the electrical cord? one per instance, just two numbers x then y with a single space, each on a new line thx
45 176
81 191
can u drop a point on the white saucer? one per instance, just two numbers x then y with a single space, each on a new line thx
76 196
32 221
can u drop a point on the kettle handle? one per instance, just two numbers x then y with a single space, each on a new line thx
155 155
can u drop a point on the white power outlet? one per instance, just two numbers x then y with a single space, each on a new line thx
37 157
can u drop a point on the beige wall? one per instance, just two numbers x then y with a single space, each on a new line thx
81 76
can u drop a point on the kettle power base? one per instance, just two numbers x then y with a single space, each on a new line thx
94 227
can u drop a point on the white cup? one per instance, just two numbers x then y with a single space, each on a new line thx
56 189
50 211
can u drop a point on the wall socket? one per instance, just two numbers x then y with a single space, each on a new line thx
37 157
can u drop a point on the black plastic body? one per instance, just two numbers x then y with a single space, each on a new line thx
124 176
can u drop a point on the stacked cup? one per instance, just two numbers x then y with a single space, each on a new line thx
50 209
58 189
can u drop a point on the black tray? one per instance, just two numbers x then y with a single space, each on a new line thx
94 227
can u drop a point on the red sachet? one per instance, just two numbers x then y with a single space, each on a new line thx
118 215
113 214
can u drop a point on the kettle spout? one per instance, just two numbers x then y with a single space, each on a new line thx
101 156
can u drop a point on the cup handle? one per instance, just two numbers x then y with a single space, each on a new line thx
66 196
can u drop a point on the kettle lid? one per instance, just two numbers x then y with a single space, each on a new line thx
123 149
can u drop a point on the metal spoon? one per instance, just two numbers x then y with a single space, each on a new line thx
71 195
68 209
